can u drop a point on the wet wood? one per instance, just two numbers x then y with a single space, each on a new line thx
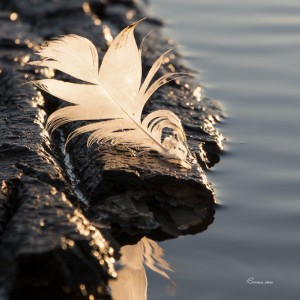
56 206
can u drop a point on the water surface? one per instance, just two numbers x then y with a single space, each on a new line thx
248 56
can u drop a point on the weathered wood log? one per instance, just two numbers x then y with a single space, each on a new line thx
123 194
45 241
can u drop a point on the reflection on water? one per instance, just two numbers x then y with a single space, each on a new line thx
131 282
177 217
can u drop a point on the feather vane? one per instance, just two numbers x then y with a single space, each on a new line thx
112 94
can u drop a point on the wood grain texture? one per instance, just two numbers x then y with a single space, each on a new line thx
52 203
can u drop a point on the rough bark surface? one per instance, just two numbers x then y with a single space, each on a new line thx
56 207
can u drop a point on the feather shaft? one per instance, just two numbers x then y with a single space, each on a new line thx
112 94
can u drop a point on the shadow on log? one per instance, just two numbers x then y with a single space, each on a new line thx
61 214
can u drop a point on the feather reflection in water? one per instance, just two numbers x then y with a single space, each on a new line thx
131 282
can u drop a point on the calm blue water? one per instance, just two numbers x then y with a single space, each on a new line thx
248 57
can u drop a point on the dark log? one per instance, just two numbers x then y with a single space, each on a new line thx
45 241
53 204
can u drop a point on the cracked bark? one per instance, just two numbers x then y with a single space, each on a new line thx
56 208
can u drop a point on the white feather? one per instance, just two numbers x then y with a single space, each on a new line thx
113 91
